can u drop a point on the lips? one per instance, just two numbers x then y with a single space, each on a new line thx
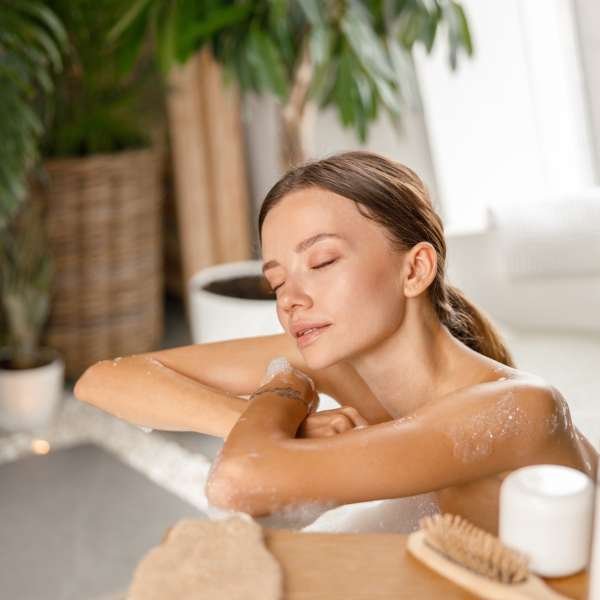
310 337
310 330
300 326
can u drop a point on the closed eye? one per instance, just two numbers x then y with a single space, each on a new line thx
329 262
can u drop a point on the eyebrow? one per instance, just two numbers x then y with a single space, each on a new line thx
304 245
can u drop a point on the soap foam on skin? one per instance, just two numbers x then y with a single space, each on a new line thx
562 418
280 364
473 438
297 515
289 516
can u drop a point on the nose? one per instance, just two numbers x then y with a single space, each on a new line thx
294 295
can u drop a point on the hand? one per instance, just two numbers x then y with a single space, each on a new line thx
327 423
296 384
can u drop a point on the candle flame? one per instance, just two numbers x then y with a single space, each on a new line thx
40 446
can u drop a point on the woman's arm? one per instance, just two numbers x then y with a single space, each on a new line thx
198 387
142 390
188 388
469 434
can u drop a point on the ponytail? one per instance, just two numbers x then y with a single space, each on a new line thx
470 325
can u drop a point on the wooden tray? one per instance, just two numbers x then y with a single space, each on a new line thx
373 566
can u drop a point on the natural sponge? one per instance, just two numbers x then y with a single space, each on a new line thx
224 559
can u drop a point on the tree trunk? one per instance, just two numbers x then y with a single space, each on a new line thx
295 128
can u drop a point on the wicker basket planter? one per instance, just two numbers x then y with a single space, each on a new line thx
104 231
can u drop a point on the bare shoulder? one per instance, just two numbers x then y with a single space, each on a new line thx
522 410
525 391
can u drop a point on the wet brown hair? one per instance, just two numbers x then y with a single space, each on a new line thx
396 198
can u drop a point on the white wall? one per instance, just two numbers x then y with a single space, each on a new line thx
587 13
512 123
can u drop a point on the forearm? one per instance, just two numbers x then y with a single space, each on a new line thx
266 419
143 391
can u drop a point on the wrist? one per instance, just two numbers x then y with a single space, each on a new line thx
286 393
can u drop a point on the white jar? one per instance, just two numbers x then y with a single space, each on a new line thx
546 512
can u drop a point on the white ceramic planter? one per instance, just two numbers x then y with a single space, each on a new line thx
215 317
30 397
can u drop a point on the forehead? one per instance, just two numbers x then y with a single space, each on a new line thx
304 212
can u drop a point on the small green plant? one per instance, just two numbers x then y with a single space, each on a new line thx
26 271
351 54
32 40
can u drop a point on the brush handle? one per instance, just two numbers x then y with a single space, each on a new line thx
532 589
536 589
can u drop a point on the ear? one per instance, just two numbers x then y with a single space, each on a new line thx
421 268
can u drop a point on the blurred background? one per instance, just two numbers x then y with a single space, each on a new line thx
137 141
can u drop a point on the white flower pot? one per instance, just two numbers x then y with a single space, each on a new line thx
215 317
30 397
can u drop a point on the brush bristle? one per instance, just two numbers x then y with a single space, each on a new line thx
476 549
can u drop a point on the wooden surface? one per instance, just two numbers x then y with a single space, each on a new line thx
368 566
374 566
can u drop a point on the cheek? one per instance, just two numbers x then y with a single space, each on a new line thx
367 297
373 281
376 296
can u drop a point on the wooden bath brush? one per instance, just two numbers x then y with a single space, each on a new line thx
476 560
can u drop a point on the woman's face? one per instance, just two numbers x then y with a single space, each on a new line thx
354 282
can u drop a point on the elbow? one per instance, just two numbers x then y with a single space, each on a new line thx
81 385
85 383
221 492
235 486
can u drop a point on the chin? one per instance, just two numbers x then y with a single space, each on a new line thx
319 358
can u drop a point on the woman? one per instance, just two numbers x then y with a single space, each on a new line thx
353 247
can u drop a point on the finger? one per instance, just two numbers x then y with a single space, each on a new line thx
342 423
319 432
318 419
356 417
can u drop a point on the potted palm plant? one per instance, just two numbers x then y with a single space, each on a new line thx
351 54
102 186
32 40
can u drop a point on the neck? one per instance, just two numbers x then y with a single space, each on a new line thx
421 361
